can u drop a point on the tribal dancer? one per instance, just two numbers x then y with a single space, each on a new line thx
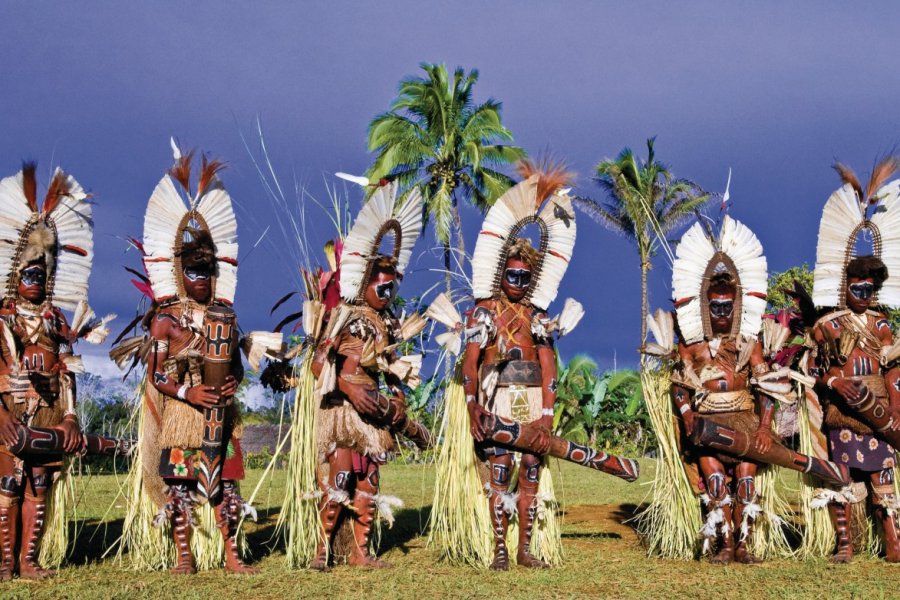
190 450
361 376
508 375
857 359
45 267
722 386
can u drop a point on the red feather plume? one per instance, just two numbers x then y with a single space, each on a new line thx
59 188
29 184
552 175
209 169
181 171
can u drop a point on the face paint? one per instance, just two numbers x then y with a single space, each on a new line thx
385 291
34 276
196 273
863 290
519 278
721 308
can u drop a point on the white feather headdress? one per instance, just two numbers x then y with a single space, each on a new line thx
383 214
517 208
697 258
170 213
61 230
843 218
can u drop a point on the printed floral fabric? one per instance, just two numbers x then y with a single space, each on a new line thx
860 451
184 463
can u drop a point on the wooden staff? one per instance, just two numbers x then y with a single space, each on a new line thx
219 325
49 441
525 437
708 434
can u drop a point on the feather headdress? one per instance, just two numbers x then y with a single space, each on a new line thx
537 200
849 210
382 215
738 252
175 217
60 232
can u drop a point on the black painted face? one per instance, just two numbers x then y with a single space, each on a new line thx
197 284
33 283
721 308
862 291
385 291
721 311
860 294
520 278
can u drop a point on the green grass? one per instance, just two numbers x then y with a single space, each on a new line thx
604 558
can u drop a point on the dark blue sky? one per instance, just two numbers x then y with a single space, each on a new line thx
774 91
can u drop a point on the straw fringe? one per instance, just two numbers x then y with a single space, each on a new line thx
61 509
460 530
669 524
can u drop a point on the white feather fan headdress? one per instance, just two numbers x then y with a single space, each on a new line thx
383 214
738 252
847 213
520 206
60 232
170 213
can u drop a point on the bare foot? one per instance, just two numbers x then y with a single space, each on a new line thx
843 555
240 568
183 569
527 560
501 562
368 562
320 564
35 572
723 556
743 556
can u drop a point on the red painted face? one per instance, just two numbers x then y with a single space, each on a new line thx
516 279
33 283
381 289
197 281
860 293
721 311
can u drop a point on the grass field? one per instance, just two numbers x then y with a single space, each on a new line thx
604 558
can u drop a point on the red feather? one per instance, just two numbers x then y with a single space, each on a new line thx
59 188
137 244
181 171
29 184
75 249
208 171
552 175
143 288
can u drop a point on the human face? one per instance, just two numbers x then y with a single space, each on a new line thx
721 311
381 289
33 283
516 279
860 294
197 282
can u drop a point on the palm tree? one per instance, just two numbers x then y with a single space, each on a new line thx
644 203
436 137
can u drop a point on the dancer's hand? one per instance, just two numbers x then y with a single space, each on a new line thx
688 419
229 388
849 389
894 415
763 439
475 425
362 400
72 438
204 396
8 423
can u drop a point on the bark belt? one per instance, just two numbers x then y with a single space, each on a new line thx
520 372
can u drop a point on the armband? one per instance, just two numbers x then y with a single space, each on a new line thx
547 412
830 381
182 392
470 398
